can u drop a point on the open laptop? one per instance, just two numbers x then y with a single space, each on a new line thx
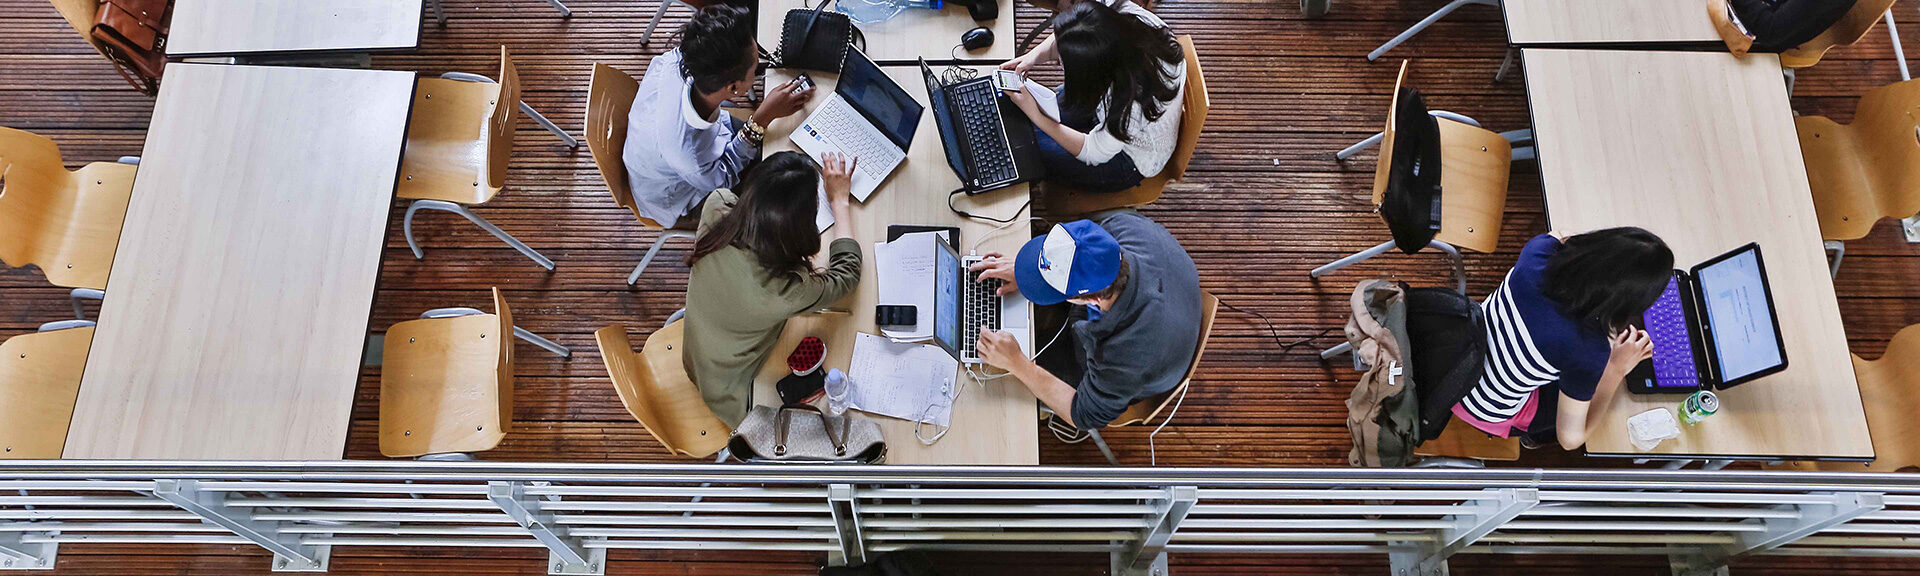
1714 328
869 117
989 141
963 306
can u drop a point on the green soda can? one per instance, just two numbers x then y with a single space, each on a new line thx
1698 407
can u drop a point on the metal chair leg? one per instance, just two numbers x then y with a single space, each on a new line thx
1453 254
564 12
1899 55
406 228
655 250
1837 251
78 294
1424 23
542 120
1343 348
1101 443
676 316
542 342
439 12
1506 64
655 23
1034 34
1370 142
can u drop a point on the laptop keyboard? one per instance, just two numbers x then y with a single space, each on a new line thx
854 136
1673 365
978 111
980 308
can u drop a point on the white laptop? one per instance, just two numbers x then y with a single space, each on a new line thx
868 117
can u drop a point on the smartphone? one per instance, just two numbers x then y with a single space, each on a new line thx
803 82
1008 80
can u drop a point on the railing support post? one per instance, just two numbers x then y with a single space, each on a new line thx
1148 555
288 554
1488 514
1843 506
15 554
566 554
846 523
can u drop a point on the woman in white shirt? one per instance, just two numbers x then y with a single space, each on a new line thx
1120 105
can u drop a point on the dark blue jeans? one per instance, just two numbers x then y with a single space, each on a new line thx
1063 167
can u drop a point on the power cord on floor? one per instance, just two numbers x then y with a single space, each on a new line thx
1285 346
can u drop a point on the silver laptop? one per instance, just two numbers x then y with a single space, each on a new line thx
868 117
962 307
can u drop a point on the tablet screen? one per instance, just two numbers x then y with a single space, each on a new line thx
1739 312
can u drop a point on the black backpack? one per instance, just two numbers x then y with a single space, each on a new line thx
1447 332
1411 202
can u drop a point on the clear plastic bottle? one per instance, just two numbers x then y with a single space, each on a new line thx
877 11
836 388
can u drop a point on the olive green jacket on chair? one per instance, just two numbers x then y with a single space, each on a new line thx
736 310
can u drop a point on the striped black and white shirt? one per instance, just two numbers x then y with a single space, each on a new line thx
1531 344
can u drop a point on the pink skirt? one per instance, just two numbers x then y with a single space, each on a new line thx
1518 423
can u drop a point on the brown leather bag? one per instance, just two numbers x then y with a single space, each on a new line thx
133 35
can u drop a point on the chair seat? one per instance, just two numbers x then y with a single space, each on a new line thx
439 388
39 382
447 150
1462 440
1064 201
67 223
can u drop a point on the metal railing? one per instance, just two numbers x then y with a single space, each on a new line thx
1416 517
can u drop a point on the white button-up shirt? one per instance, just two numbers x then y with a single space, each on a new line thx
674 156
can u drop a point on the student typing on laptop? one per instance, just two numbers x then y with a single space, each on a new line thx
1121 103
1133 325
680 144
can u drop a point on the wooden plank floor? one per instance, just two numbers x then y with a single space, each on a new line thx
1265 202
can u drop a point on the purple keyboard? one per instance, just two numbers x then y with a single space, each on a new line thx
1672 341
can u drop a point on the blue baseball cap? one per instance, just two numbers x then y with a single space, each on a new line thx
1074 259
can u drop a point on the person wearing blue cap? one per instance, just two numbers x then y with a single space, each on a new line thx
1131 330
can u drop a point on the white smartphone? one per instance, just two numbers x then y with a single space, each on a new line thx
1008 80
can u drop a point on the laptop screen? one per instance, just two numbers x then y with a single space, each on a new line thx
946 298
1739 312
943 119
881 99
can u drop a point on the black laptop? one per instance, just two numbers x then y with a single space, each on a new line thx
1713 328
989 141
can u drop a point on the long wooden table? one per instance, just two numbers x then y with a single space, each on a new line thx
1621 22
992 424
1699 147
934 35
238 302
252 27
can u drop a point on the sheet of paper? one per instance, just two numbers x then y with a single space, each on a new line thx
904 276
823 219
1044 96
913 382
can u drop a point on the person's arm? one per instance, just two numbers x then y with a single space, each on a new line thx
842 274
1045 52
1575 421
1001 350
1073 141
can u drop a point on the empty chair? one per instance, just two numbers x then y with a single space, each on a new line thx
1474 167
458 144
1146 410
610 95
440 13
1864 171
446 381
655 388
1890 390
67 223
1064 202
39 381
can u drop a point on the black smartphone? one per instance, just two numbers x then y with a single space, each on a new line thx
893 315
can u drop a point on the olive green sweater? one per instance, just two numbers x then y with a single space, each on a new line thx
736 310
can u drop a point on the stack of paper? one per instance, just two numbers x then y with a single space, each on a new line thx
903 271
906 381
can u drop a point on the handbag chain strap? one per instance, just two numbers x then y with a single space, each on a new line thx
780 429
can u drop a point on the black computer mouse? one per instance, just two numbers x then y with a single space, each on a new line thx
976 39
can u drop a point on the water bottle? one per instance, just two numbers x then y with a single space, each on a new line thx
836 388
877 11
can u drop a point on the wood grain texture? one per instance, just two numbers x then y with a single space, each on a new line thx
930 34
1646 22
1700 149
67 223
993 423
240 27
39 378
237 307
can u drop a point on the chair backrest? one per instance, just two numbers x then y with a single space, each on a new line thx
500 126
1890 391
654 387
39 381
1147 410
1853 26
79 15
68 223
1384 166
610 95
503 370
1193 116
1867 170
446 384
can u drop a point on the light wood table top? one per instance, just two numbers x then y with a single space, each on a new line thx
1563 22
242 27
934 35
992 424
237 308
1699 147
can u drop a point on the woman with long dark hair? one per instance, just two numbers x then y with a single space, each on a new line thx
1561 335
753 269
1120 105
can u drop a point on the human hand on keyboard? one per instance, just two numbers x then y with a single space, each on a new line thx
837 171
1630 347
997 267
999 349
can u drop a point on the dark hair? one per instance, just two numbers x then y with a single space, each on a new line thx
773 218
1606 278
716 47
1117 58
1120 281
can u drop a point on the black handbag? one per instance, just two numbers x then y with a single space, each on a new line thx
815 39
